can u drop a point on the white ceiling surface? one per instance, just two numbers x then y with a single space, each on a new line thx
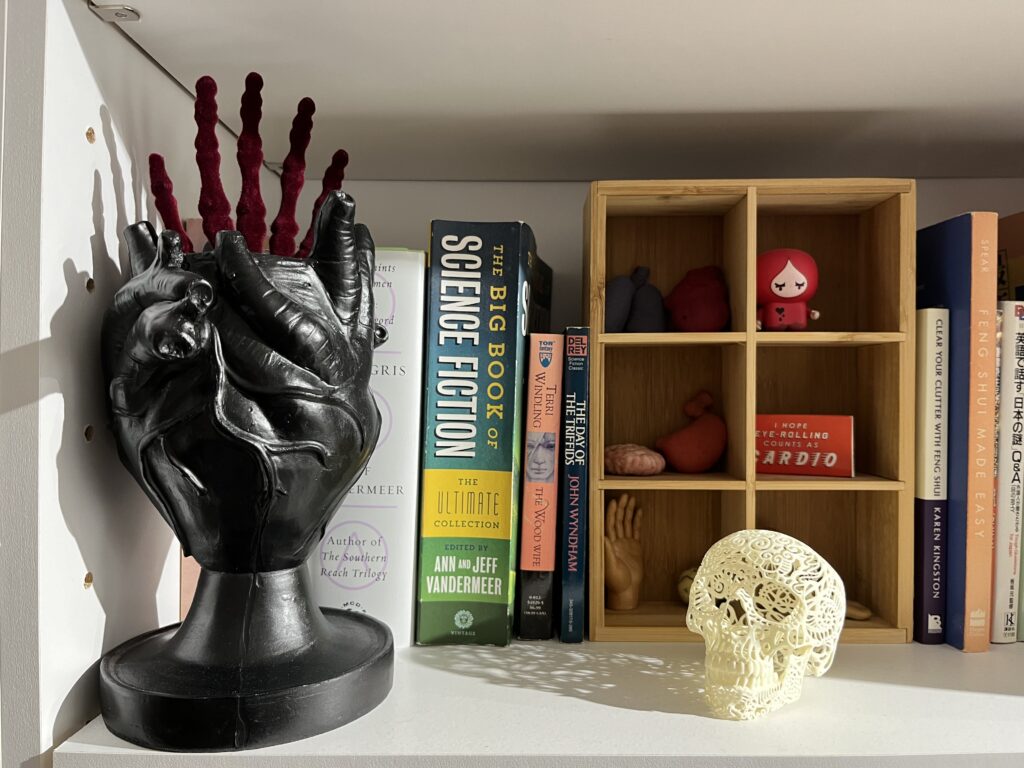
582 89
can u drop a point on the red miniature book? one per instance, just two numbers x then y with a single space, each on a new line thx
806 444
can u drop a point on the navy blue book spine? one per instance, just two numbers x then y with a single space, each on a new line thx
573 485
947 272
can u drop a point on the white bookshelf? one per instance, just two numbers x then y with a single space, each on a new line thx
535 705
708 106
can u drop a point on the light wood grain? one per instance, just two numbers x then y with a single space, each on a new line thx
864 635
854 531
678 528
737 511
735 409
771 188
670 246
877 409
666 622
862 482
654 613
749 501
672 338
620 631
857 359
907 412
686 202
879 291
827 338
674 481
646 389
595 257
878 554
586 263
834 201
737 229
862 382
832 239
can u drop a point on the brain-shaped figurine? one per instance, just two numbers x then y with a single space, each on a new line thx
632 459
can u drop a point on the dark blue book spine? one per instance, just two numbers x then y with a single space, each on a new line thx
930 571
573 485
956 270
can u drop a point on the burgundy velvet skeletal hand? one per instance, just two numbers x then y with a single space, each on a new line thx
239 380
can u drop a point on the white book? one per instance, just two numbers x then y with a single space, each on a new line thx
367 558
930 495
1006 564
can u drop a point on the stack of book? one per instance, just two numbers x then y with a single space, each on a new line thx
970 431
469 524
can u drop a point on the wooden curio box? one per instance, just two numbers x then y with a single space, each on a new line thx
856 360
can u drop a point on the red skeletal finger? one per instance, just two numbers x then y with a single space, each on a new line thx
163 196
213 203
285 228
251 211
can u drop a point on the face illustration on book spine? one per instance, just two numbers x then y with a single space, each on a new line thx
540 457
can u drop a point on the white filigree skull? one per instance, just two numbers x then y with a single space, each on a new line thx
770 610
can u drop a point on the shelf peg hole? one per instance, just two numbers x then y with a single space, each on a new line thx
90 284
90 135
87 581
89 432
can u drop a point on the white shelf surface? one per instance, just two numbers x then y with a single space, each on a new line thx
636 704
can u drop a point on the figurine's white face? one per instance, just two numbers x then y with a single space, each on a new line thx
790 282
770 610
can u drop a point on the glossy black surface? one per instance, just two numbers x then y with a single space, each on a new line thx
239 394
200 686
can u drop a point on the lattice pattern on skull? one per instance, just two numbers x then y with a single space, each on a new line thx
770 610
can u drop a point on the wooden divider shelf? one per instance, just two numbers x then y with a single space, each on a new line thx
857 359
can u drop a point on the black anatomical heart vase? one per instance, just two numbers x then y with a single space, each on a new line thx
239 396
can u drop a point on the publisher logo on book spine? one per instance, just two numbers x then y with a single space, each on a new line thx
546 352
577 345
464 619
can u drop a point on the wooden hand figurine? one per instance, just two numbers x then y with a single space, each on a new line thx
623 553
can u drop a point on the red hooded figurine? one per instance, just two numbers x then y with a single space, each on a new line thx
787 278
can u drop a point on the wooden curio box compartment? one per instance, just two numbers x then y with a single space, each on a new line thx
856 360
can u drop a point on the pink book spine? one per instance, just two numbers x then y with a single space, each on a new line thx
540 457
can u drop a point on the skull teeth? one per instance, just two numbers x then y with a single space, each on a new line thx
731 671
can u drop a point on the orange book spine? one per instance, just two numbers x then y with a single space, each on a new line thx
540 457
535 618
981 427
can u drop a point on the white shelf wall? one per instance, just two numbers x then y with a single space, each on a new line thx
68 506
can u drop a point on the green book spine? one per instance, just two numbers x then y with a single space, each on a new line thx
485 284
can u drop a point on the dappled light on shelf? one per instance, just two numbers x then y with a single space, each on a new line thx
630 679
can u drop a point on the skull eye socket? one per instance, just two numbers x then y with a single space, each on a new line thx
775 602
736 610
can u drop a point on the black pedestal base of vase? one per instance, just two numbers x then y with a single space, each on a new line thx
255 663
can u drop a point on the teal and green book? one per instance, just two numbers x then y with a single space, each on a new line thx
487 290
